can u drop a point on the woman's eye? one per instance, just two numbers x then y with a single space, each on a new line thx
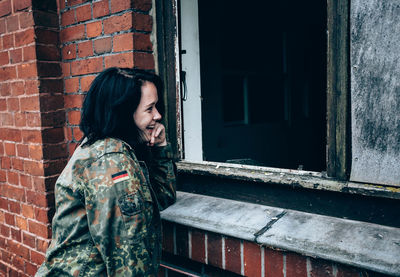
149 109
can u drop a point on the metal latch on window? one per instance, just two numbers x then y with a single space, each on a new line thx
183 85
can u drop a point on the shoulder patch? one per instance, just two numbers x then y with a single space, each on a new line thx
120 176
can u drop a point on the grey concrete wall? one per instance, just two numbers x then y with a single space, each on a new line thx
375 91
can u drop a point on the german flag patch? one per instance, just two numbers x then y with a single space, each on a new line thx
120 176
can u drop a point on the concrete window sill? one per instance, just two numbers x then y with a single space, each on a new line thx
365 245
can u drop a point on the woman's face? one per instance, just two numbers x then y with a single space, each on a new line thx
146 114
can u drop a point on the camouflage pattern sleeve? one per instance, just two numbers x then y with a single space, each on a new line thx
162 176
119 212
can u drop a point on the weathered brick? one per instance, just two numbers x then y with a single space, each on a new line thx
25 19
3 104
25 180
2 26
19 249
117 5
30 103
8 41
45 18
118 23
100 9
251 259
74 117
16 55
17 88
84 13
10 134
27 70
6 119
39 229
5 90
142 5
320 268
10 148
29 53
36 151
102 45
17 164
119 60
51 86
73 101
86 81
69 52
46 36
22 4
8 73
143 60
142 42
4 59
28 239
94 29
214 249
87 66
53 135
71 85
5 7
123 42
51 102
66 69
68 17
72 33
31 136
22 150
142 22
34 168
13 104
198 246
85 49
12 23
30 268
47 53
42 245
49 69
37 257
25 37
182 240
33 119
296 265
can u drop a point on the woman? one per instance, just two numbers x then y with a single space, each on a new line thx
108 197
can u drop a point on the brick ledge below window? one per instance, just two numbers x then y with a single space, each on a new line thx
365 245
290 177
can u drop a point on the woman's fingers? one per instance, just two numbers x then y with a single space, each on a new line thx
158 135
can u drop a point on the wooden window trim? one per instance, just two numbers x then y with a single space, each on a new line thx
338 111
338 90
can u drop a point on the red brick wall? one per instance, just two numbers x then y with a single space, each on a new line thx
95 36
49 54
244 257
32 147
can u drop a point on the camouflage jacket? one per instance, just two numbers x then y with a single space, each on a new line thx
107 220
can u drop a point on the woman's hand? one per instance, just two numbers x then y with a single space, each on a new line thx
158 136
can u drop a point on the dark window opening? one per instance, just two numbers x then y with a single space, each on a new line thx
263 79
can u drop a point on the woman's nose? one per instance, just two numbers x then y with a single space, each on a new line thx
157 115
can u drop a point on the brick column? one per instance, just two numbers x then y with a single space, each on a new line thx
95 36
32 145
49 53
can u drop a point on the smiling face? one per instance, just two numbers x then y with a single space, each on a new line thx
146 114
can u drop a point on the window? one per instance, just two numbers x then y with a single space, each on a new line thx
254 88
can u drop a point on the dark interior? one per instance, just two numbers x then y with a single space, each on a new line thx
263 78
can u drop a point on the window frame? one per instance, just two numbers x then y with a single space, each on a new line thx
338 162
